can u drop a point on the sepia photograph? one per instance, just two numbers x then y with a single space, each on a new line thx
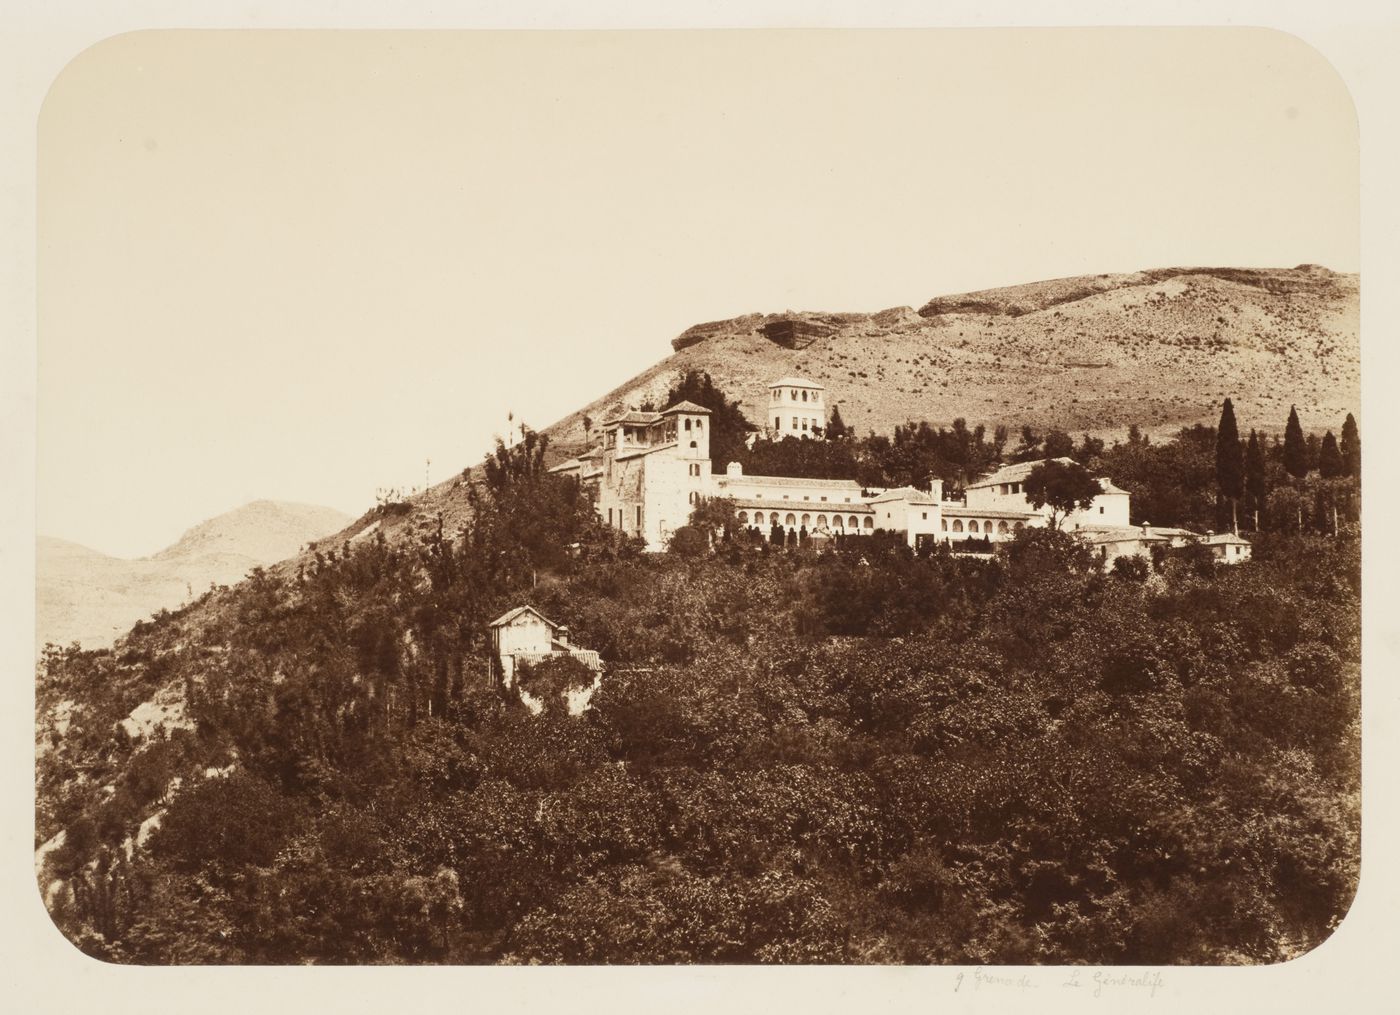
669 498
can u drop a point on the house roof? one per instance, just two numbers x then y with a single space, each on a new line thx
951 510
820 484
795 382
634 418
908 493
687 407
569 466
798 507
511 616
1121 535
1017 472
1013 473
1223 538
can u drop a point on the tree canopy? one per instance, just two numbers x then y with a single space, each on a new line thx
1064 487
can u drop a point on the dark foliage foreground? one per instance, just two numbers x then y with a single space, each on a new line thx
861 756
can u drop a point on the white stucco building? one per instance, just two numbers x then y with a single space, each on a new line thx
524 635
1228 547
796 407
1005 490
652 468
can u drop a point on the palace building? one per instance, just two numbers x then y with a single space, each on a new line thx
653 468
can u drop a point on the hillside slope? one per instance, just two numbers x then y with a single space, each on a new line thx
89 597
1159 348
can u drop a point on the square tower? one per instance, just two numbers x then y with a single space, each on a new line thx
796 407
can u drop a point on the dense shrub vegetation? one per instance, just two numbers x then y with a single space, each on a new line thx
858 755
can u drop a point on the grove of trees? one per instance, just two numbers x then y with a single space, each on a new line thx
857 754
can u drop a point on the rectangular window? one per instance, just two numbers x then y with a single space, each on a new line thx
823 498
1100 509
639 516
610 521
925 516
794 422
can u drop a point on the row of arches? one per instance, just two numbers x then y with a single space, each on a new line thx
1001 528
837 523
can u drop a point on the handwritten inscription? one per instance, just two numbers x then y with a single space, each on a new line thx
1095 983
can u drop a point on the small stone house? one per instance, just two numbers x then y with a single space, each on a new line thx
524 635
1228 547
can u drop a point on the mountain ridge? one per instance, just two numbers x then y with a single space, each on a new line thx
1159 349
88 596
1165 346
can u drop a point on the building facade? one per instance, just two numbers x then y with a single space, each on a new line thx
653 468
524 635
796 408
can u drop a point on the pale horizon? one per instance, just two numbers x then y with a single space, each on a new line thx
292 266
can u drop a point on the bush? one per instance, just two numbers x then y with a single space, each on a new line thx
689 541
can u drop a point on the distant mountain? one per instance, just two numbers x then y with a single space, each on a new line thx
1159 348
89 597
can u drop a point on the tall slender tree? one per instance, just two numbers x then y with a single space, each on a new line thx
1351 447
1329 459
1255 476
1229 463
836 427
1295 449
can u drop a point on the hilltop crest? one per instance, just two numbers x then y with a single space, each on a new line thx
1159 348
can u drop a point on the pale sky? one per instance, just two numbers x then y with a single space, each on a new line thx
295 265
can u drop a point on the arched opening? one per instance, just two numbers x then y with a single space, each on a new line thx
1018 526
806 521
687 424
957 525
821 521
791 521
743 518
944 523
855 522
1001 528
870 523
972 525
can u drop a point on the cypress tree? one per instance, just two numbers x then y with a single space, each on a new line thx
836 426
1255 473
1229 459
1329 459
1351 446
1295 449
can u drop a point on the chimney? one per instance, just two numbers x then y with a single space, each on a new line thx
734 469
563 633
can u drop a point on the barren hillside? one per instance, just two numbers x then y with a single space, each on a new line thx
1161 349
1158 348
